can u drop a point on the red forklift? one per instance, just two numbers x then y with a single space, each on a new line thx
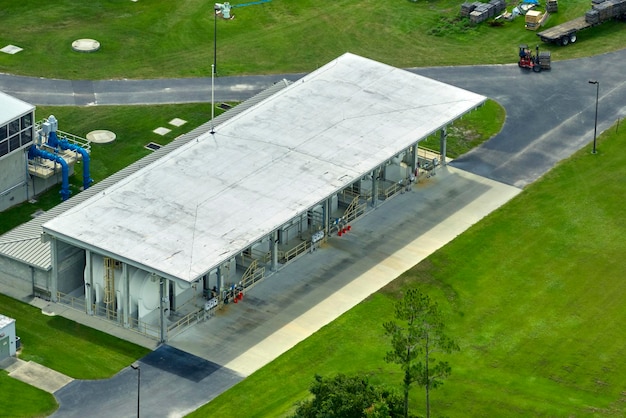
527 59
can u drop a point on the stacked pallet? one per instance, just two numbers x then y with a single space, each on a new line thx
552 6
499 6
605 10
619 7
534 19
608 9
592 17
467 8
479 12
545 59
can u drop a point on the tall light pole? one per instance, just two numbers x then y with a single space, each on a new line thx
216 9
595 125
135 366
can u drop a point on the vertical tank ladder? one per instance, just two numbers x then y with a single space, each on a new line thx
109 286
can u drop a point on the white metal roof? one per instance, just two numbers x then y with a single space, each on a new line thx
211 198
5 320
12 108
24 242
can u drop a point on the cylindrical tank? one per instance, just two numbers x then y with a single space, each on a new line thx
144 292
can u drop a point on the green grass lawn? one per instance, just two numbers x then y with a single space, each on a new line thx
133 126
161 38
19 399
66 346
533 294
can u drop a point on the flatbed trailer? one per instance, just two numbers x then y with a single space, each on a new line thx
565 33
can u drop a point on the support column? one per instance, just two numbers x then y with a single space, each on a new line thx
414 159
274 250
126 296
326 213
375 175
163 305
442 145
220 282
54 275
89 282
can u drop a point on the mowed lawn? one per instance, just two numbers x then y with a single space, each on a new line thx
133 126
66 346
166 39
534 294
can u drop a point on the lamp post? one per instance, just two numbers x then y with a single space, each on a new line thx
595 125
135 366
216 9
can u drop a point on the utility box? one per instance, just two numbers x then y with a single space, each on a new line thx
7 337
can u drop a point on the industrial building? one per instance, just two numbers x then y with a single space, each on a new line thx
16 135
165 242
33 158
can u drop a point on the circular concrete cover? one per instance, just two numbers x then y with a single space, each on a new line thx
101 136
85 45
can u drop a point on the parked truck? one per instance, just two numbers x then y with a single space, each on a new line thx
602 11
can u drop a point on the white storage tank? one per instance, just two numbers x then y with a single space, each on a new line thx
144 293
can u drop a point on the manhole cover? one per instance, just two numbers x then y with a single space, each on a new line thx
101 136
85 45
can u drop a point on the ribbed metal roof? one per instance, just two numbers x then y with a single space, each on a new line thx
24 244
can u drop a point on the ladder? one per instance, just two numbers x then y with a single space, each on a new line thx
109 286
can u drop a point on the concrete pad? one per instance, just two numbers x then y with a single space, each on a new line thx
162 131
11 49
85 45
298 300
101 136
10 364
41 377
178 122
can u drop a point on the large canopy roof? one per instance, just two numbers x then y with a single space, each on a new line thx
206 201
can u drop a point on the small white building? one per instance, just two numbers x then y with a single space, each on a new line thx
7 337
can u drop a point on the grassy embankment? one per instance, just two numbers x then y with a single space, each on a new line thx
533 294
168 39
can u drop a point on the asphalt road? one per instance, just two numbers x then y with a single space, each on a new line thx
173 384
550 115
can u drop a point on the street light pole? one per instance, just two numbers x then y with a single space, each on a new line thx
216 9
135 366
595 125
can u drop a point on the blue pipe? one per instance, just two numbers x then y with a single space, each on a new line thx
55 142
250 3
33 152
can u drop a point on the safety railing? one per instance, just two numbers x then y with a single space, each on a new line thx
301 248
72 139
71 301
